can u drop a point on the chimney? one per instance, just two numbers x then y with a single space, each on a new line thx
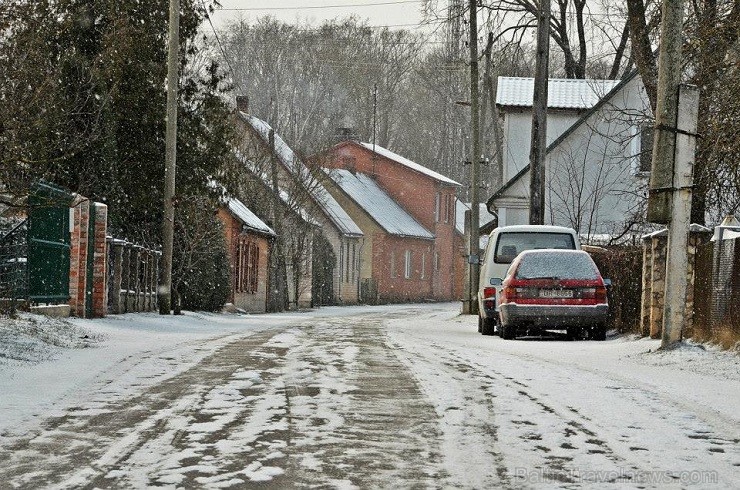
242 103
344 134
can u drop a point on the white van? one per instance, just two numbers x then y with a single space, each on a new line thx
504 244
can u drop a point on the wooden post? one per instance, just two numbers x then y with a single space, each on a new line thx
538 145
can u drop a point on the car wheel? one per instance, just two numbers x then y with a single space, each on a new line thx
599 332
508 332
488 326
480 324
572 333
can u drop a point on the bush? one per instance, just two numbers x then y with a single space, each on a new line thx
201 274
623 265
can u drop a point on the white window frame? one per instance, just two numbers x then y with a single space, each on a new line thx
407 264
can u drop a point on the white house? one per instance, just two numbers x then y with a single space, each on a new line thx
596 171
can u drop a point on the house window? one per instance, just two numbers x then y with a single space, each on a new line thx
436 262
407 265
393 264
349 264
354 260
247 266
646 148
436 207
641 148
423 265
341 261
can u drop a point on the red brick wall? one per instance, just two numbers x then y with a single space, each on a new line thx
397 287
78 256
79 251
417 194
100 262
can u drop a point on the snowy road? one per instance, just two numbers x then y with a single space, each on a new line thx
401 396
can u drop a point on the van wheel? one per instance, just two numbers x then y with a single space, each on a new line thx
488 326
508 332
572 333
480 324
599 332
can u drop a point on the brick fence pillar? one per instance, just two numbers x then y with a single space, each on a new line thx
78 255
100 262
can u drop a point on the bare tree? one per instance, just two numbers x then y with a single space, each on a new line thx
710 59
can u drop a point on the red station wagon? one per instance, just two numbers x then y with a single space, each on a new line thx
553 289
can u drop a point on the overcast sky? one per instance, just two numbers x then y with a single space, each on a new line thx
377 12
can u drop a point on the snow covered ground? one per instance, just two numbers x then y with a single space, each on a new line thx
407 395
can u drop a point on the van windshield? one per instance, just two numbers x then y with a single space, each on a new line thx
510 244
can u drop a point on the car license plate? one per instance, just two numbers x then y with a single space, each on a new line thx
556 293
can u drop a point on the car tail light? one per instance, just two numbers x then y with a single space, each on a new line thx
587 293
511 293
601 294
489 293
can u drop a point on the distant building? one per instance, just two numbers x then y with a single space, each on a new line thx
427 196
262 147
396 258
599 135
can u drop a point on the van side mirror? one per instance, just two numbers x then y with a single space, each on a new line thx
496 281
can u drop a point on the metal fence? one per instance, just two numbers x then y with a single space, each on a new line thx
14 267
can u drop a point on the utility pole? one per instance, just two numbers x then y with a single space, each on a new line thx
168 222
278 298
539 119
671 173
676 281
664 144
475 156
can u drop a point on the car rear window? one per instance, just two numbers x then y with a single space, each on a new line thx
511 244
557 265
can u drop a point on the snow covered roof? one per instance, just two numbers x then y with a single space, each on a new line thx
408 163
380 206
247 217
284 152
295 166
562 93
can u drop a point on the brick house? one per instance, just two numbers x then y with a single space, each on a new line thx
248 241
427 196
265 150
396 257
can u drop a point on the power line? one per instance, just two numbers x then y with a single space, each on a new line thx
319 7
221 47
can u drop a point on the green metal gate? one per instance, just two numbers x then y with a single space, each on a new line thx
48 244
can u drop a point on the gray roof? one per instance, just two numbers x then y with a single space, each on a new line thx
562 93
408 163
380 206
295 166
246 216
